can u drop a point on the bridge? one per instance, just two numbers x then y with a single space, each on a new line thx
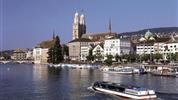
20 61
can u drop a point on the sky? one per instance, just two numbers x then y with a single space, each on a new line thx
25 23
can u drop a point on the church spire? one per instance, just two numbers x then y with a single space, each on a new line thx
82 19
53 34
76 18
110 26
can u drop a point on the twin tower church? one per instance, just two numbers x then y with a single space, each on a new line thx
79 30
79 26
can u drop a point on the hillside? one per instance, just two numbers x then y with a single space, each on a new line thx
162 30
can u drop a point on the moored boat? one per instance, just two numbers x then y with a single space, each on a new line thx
139 70
131 92
119 70
161 71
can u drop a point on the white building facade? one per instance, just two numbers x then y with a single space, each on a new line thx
145 48
29 55
40 55
159 47
98 52
84 50
117 46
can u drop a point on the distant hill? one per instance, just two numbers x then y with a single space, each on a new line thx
7 52
162 30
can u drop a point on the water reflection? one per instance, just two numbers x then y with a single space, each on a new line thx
38 82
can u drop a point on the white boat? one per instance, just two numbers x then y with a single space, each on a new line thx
119 70
139 70
131 92
82 66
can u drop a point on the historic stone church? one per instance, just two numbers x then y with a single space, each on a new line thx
82 41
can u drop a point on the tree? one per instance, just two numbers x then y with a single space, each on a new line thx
50 55
117 58
6 56
65 50
125 57
157 56
133 57
145 57
55 53
176 56
90 56
98 56
171 57
108 61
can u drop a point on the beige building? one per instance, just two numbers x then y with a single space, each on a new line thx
40 52
19 54
75 48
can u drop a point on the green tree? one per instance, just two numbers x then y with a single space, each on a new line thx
171 57
98 56
65 50
117 57
90 56
125 57
50 55
133 57
55 53
108 61
176 56
157 56
145 57
5 55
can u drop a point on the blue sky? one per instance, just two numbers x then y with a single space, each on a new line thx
25 23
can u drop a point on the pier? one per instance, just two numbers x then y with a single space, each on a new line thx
151 67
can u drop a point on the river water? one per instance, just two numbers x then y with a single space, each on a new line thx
38 82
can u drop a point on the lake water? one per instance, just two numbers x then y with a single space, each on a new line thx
38 82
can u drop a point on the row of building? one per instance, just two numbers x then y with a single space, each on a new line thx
22 54
102 44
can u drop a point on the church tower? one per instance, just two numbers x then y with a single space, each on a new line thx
79 27
82 25
76 26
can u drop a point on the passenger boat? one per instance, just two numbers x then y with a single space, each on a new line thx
130 92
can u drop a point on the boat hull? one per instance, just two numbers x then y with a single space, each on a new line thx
125 95
117 72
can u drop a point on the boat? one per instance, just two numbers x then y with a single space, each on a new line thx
125 91
165 71
139 70
82 66
54 65
119 70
